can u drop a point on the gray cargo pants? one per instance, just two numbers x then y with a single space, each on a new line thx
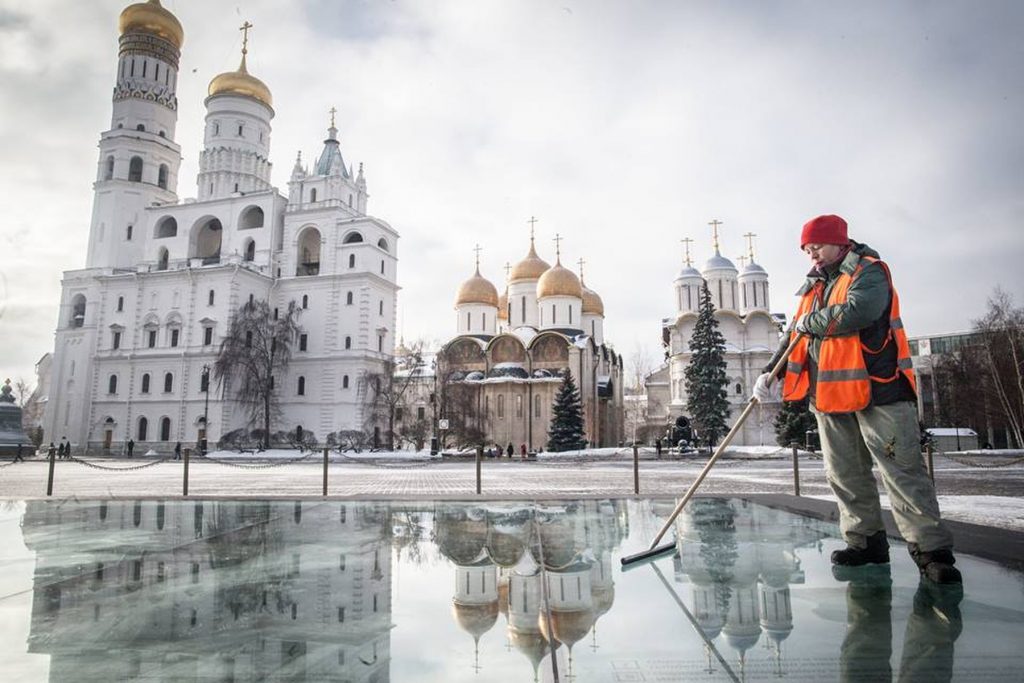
889 436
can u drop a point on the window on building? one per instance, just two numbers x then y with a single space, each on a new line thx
344 382
305 301
351 260
204 381
115 342
209 298
108 171
250 251
501 405
207 336
142 432
421 413
165 429
399 412
241 130
380 307
112 384
135 170
168 383
303 341
151 338
380 342
301 391
120 304
312 194
174 336
519 406
536 406
554 314
163 258
348 342
145 382
128 233
161 177
382 267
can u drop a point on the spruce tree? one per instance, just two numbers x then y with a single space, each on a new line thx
793 422
706 395
566 433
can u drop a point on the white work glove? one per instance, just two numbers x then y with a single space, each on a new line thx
767 389
801 324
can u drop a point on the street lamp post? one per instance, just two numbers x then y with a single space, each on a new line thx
206 408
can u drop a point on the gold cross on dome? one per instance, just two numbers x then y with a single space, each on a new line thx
508 270
332 111
750 244
245 36
580 264
687 242
477 249
558 247
533 223
714 230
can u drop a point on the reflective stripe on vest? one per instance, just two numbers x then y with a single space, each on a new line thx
843 382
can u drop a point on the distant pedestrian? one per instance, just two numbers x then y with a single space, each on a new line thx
131 447
177 451
60 450
657 446
509 450
522 451
17 454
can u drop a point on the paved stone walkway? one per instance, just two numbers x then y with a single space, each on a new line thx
449 480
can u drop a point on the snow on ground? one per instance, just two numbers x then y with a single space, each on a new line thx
1002 512
292 454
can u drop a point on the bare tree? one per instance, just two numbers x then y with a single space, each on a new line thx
389 388
1002 339
22 392
256 349
640 364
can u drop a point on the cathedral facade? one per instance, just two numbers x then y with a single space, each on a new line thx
751 334
511 351
140 325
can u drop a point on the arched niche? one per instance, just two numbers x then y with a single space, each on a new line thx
307 261
166 227
206 239
251 218
353 237
506 348
77 317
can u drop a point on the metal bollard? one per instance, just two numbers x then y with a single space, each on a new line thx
796 470
325 471
479 454
930 462
636 469
184 476
49 478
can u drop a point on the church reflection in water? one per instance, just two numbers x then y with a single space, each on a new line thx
297 591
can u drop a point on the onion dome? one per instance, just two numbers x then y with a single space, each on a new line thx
559 281
689 272
530 268
477 290
592 303
754 268
150 17
567 627
719 262
240 82
503 306
476 620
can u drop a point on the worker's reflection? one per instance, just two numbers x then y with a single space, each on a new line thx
932 628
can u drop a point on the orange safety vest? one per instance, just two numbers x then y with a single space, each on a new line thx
843 382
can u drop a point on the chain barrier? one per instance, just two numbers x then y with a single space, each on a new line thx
981 465
256 465
115 469
414 464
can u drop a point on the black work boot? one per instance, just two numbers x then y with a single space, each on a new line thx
875 552
936 565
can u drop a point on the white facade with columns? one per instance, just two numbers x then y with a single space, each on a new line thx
163 276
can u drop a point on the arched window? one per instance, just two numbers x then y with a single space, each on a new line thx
250 250
344 382
251 218
312 195
352 238
382 243
168 383
162 258
348 342
348 298
167 227
161 176
143 431
145 383
301 390
309 252
165 429
108 171
351 260
112 384
135 170
739 388
141 127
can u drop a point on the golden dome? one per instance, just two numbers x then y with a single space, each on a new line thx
567 627
240 82
530 268
503 306
477 290
592 303
475 620
151 17
559 281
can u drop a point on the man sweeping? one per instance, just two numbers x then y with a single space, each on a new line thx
853 361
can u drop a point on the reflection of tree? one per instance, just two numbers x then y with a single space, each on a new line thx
714 520
240 542
406 531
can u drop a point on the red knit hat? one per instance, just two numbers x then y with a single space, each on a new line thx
824 230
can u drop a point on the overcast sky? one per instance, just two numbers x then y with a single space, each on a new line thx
622 126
